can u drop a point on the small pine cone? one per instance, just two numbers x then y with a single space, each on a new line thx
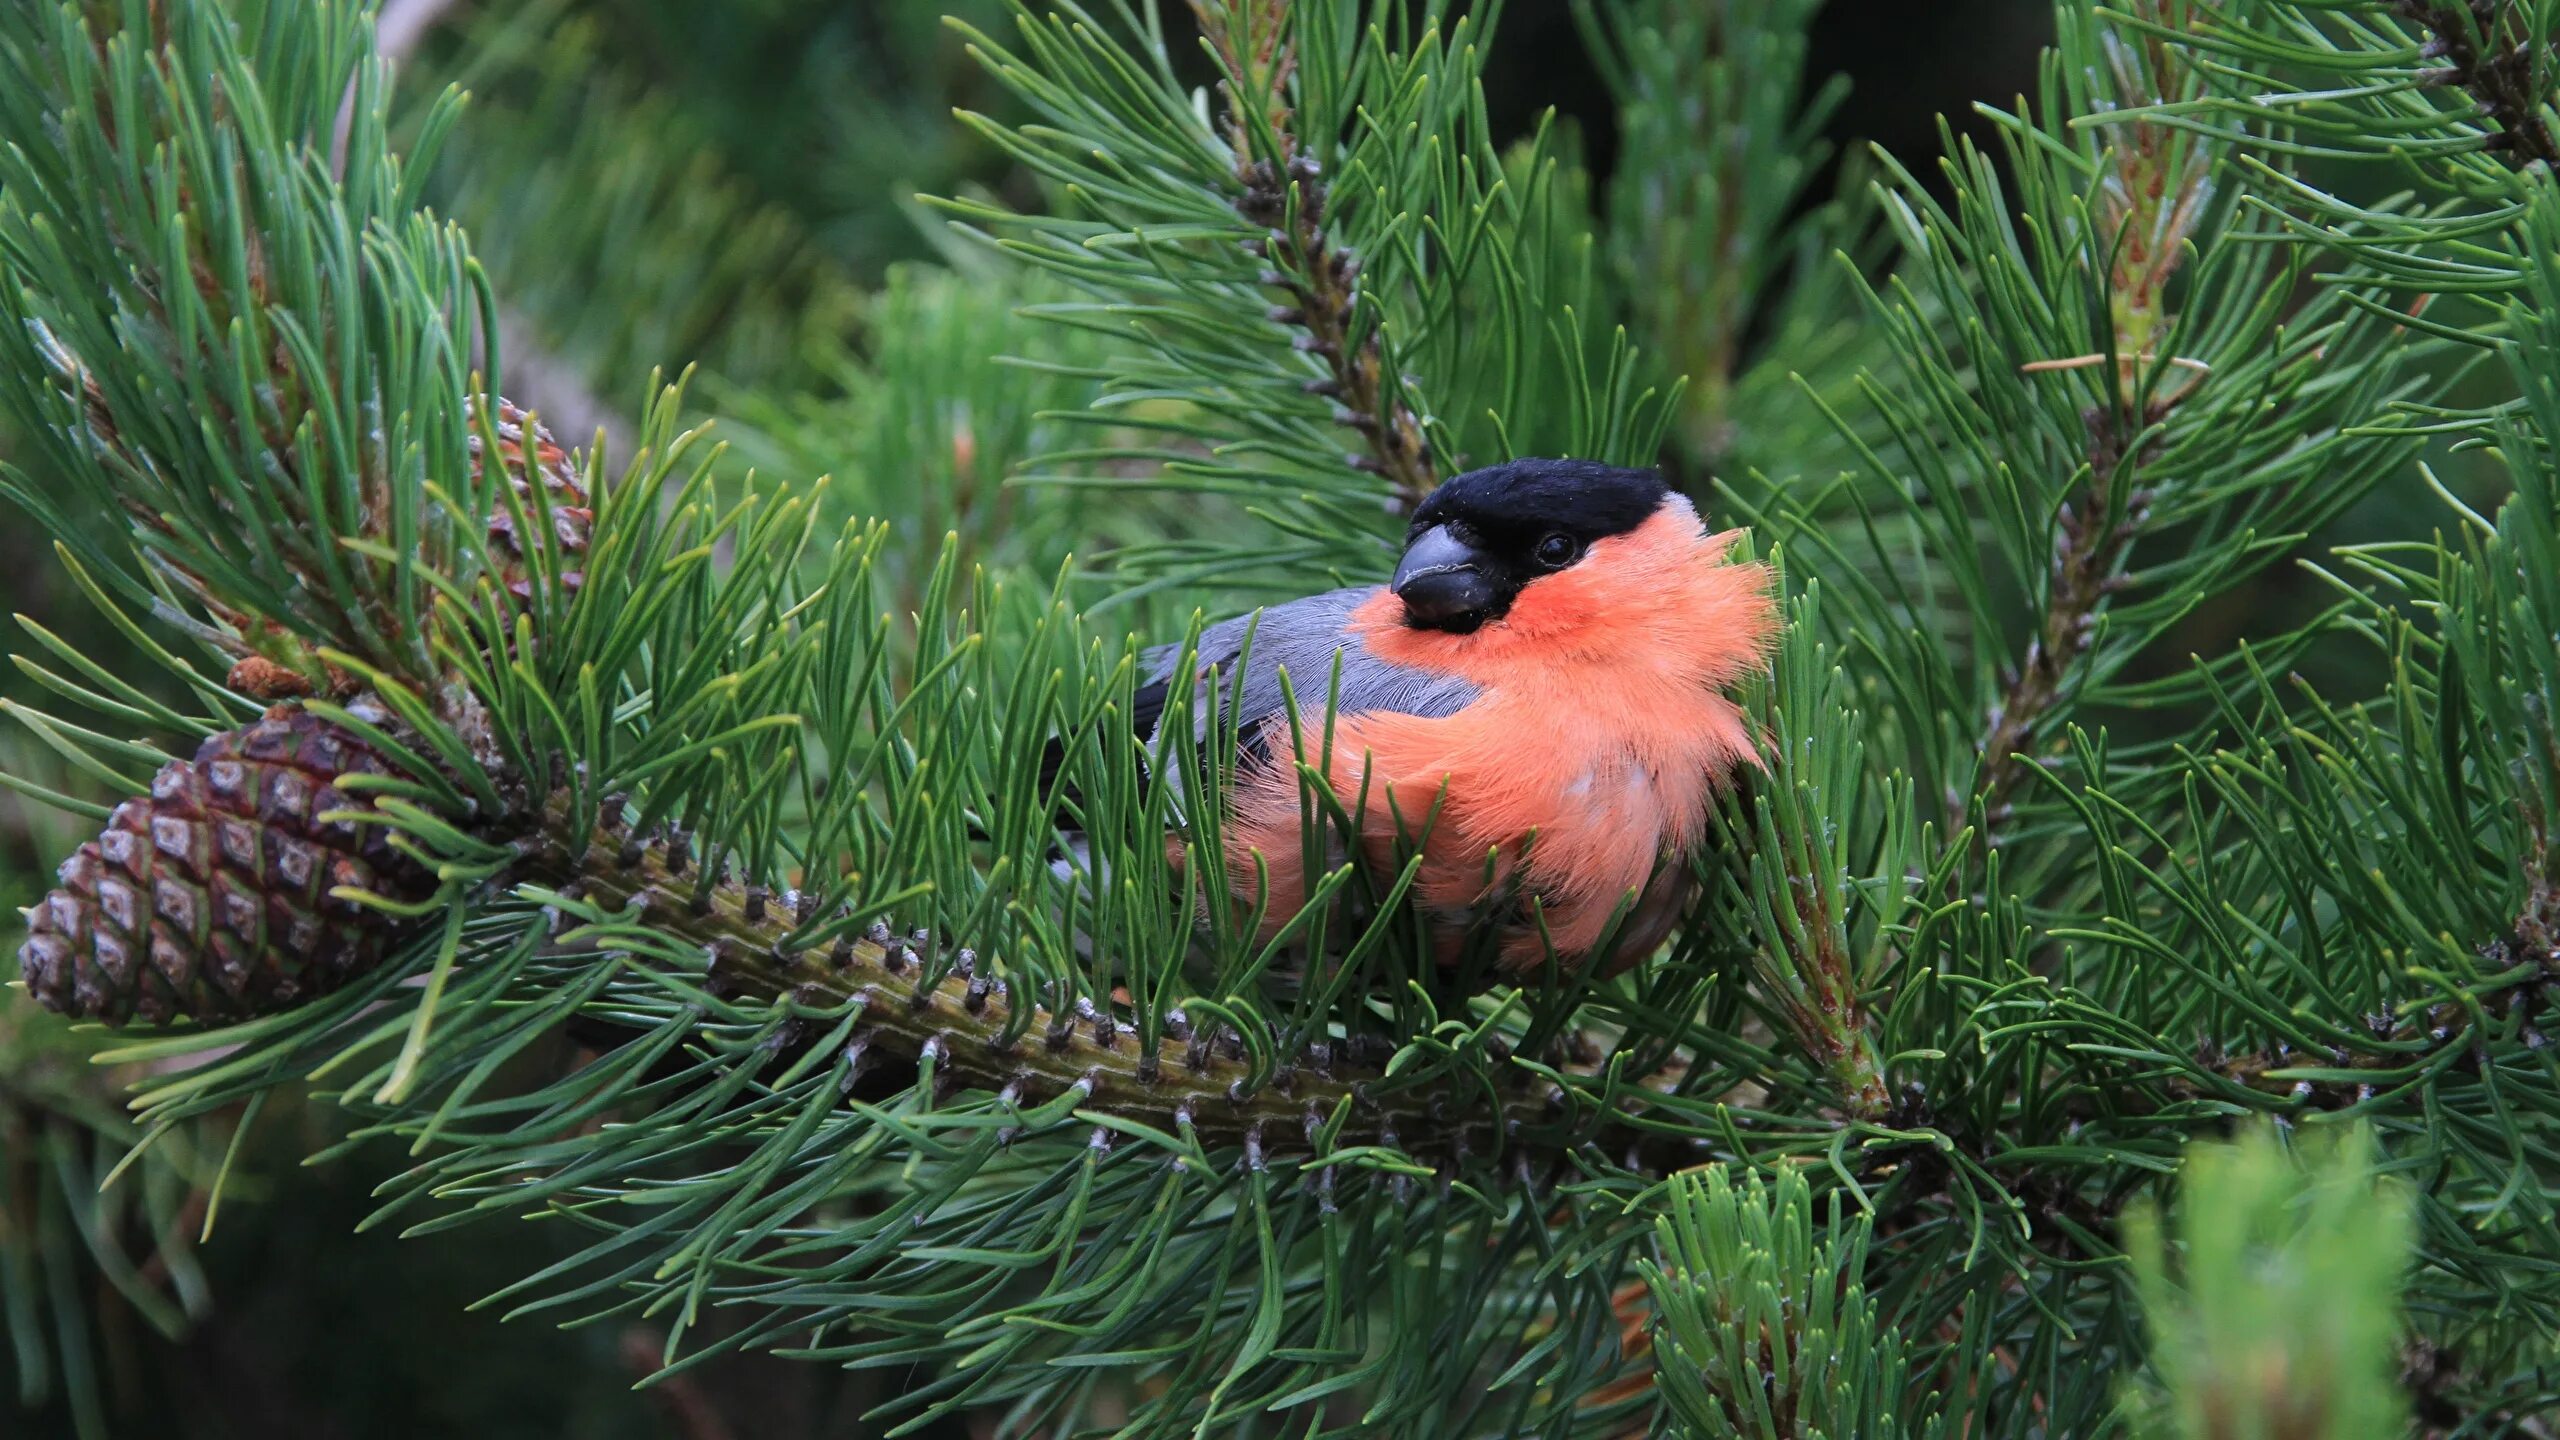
211 898
571 517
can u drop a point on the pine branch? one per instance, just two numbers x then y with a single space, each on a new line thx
236 492
2150 202
2501 75
769 707
967 1029
2368 83
1256 44
1322 280
870 1151
2091 544
1436 295
1797 838
1284 192
2458 1035
2284 1321
1761 1326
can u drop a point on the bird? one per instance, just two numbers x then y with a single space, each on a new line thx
1538 702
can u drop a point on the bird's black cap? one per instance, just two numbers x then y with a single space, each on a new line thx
1524 500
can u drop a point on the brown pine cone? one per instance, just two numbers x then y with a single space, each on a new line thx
571 517
211 898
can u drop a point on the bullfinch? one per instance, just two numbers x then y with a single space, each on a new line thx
1535 704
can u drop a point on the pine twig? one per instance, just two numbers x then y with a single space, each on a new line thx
2150 204
1820 997
2086 555
1195 1083
1322 280
2537 928
1320 275
2435 1378
1263 56
2466 37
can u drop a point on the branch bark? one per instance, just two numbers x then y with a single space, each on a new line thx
1287 195
2148 209
2497 75
1322 280
1193 1083
2091 546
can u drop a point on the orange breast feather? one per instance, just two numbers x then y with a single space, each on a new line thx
1594 749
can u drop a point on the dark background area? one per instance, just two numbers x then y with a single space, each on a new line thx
1908 66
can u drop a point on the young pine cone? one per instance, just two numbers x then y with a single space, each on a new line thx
524 450
563 484
211 898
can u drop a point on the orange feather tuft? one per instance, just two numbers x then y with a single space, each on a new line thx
1584 770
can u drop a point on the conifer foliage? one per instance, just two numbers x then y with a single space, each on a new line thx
2046 895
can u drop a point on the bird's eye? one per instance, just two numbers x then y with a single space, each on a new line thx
1558 550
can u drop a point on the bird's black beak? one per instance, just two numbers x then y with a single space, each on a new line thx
1442 582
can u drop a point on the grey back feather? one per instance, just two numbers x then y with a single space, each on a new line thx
1303 637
